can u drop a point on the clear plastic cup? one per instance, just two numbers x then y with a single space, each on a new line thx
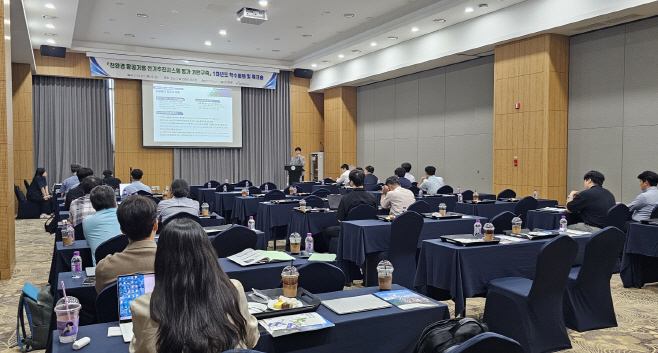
295 243
385 275
204 209
68 319
290 278
488 232
516 225
442 209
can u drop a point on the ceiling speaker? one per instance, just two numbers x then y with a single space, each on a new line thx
49 50
303 73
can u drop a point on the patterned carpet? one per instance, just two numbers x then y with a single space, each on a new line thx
637 309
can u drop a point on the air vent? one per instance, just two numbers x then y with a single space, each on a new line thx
252 16
608 23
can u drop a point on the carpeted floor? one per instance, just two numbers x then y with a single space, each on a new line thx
637 309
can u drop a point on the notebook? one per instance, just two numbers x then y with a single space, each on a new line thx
355 304
128 289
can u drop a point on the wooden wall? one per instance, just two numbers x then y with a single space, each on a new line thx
535 73
307 117
339 129
7 198
23 137
74 65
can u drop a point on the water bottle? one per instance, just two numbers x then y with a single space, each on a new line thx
208 186
116 193
301 179
251 224
124 195
459 190
294 189
71 232
404 209
225 181
460 198
76 265
563 224
477 229
267 187
535 194
309 243
246 184
420 193
224 188
322 182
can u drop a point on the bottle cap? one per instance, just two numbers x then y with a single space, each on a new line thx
564 216
477 221
251 217
309 235
76 253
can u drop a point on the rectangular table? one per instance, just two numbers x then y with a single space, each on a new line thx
194 191
207 195
549 220
305 187
356 332
434 201
465 271
272 215
244 207
223 202
490 210
639 263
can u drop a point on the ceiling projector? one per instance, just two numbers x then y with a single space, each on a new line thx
252 16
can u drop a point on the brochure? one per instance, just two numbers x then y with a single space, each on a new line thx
250 257
406 299
286 325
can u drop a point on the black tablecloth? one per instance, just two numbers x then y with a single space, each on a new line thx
490 210
194 191
465 271
311 222
243 207
271 215
223 202
435 201
549 220
639 263
305 187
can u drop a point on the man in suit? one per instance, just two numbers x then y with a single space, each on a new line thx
404 182
110 180
371 179
137 218
77 191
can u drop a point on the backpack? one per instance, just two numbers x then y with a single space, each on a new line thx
19 194
50 225
37 306
442 335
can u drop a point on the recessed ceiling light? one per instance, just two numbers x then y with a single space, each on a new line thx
439 20
483 6
174 11
414 29
51 34
373 44
314 65
325 61
186 61
51 41
50 25
469 9
49 6
48 17
142 15
348 15
307 35
341 56
161 25
356 51
129 35
392 37
222 32
263 2
207 42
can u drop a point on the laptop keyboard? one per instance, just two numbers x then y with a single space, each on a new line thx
127 331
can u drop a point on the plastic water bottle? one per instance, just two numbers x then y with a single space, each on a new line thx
246 184
477 229
563 224
225 181
535 194
76 265
460 197
71 231
309 243
124 195
251 224
224 188
322 182
301 179
208 185
459 190
267 188
294 189
420 193
404 209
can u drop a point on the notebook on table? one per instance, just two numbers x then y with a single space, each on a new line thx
130 288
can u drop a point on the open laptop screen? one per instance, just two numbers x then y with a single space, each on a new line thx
121 187
131 287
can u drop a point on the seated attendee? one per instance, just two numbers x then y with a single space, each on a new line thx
358 196
371 179
194 306
645 202
407 169
72 181
110 180
404 182
591 204
77 191
137 218
395 197
344 178
430 183
104 224
136 184
179 203
37 192
82 207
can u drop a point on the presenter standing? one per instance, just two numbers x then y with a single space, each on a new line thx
298 159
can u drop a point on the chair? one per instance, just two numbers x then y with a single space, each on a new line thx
361 212
328 181
79 232
415 183
378 187
445 189
179 215
27 185
320 277
617 216
420 207
414 189
213 184
111 246
467 195
405 230
26 208
143 193
270 186
523 206
107 307
489 342
243 183
275 195
587 302
254 190
507 194
530 311
313 201
322 192
229 187
234 240
502 222
654 213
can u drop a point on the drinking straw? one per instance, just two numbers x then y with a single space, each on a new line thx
66 301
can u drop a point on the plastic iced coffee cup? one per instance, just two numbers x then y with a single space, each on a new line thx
295 243
516 225
290 278
489 232
442 209
68 317
385 275
67 240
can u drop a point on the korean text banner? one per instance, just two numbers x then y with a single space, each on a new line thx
138 70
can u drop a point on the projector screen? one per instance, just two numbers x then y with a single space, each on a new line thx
182 115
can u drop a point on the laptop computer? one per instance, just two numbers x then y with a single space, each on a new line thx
334 201
128 289
121 187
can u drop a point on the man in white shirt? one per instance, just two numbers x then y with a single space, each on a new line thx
395 197
407 169
344 178
645 202
430 183
136 185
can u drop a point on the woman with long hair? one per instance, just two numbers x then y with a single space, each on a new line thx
194 307
38 192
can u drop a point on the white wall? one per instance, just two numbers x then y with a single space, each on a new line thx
441 117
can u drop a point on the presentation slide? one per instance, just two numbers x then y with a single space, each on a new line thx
176 115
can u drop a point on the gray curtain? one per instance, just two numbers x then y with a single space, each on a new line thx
265 143
72 124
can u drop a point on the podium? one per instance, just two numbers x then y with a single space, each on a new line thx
294 173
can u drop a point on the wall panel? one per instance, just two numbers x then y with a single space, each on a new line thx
307 118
